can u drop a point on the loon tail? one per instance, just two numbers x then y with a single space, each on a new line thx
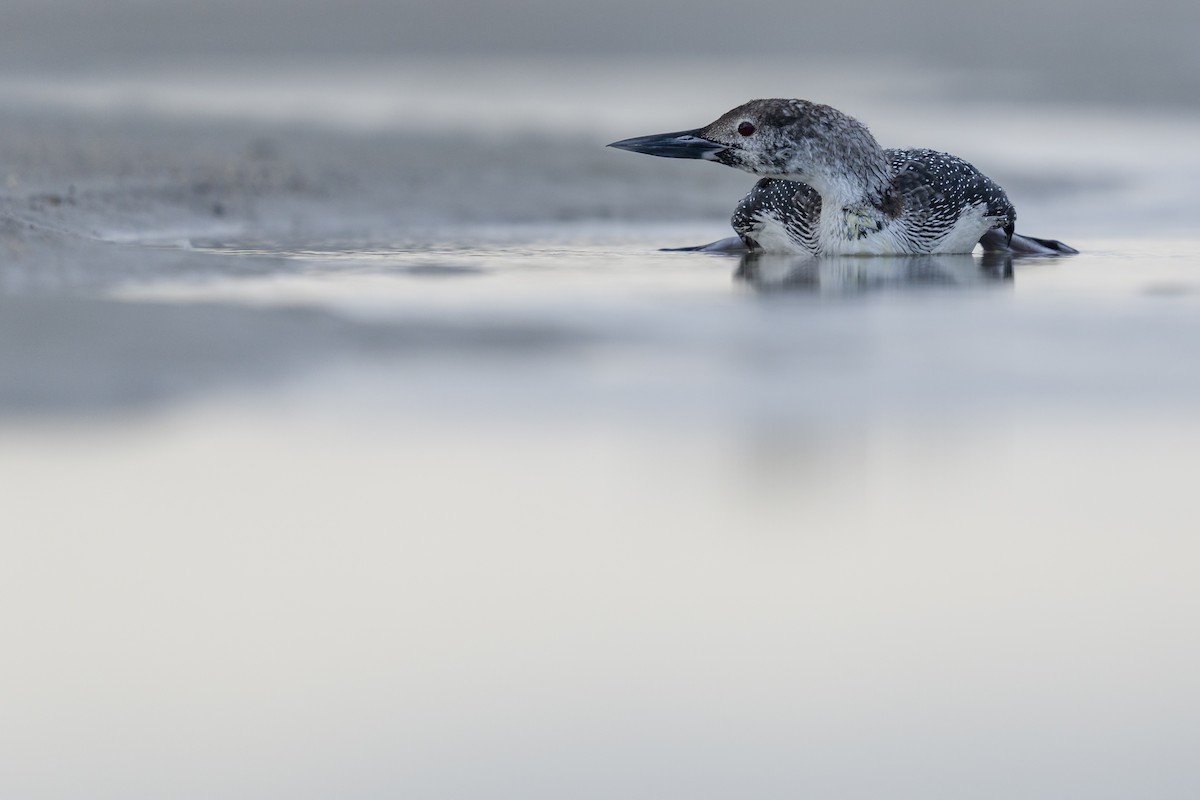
997 241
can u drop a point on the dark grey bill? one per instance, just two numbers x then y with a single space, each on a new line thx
680 144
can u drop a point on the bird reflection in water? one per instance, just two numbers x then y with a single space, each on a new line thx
849 274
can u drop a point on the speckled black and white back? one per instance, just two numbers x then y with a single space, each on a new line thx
945 205
940 190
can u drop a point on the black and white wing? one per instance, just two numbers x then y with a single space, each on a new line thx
781 216
939 191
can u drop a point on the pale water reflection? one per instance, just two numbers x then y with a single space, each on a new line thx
864 273
308 595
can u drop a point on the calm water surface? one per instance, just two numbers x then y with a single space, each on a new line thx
320 491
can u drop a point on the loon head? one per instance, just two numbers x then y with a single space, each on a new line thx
794 139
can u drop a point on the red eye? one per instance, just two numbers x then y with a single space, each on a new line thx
745 129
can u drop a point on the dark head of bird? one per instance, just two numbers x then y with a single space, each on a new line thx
793 139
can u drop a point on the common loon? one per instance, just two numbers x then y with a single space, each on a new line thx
829 188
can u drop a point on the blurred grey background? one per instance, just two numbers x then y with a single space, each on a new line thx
1135 52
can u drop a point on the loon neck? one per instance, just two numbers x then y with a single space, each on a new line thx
854 205
861 181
